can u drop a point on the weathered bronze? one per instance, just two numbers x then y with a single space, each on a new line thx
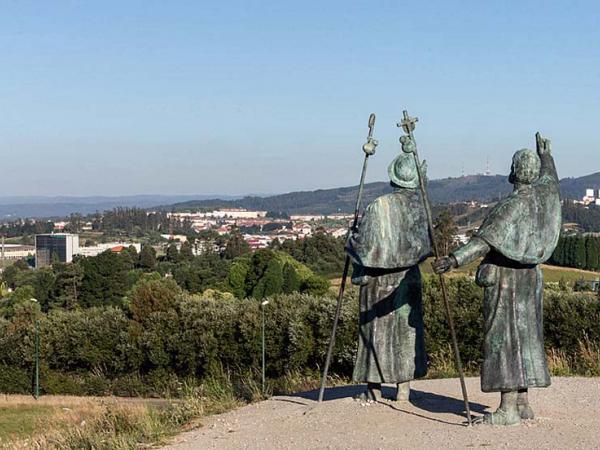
369 150
408 125
519 233
386 248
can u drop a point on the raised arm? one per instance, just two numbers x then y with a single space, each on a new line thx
548 169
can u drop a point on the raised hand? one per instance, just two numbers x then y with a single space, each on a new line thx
542 145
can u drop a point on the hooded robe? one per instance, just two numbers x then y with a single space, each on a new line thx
391 240
519 233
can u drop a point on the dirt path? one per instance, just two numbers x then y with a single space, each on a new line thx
568 417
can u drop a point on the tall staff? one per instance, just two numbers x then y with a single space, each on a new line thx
369 149
408 125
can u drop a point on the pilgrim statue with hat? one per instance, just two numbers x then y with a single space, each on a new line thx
386 248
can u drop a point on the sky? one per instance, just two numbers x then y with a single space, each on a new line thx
249 97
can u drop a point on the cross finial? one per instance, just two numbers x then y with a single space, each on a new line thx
408 123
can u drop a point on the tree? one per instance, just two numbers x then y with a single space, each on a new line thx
186 253
67 287
105 280
591 252
236 278
147 259
315 285
446 231
172 253
152 295
291 281
235 246
258 265
580 257
271 283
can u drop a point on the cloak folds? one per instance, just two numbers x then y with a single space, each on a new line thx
525 226
519 233
391 240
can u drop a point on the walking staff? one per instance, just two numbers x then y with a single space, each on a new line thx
408 125
369 149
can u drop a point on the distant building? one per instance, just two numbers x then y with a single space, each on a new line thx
116 247
306 218
16 251
55 247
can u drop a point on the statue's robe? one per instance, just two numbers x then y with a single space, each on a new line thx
520 233
391 240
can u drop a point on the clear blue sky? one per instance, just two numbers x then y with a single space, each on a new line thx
262 97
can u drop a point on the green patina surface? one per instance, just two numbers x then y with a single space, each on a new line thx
391 240
519 234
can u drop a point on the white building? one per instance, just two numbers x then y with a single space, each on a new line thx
307 218
95 250
16 251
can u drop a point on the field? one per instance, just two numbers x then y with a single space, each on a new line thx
25 422
552 274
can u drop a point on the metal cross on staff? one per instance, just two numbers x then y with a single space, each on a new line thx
408 125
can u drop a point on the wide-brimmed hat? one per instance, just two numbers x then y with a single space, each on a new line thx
403 171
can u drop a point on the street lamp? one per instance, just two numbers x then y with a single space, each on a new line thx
262 309
37 355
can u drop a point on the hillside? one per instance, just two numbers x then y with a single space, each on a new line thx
447 190
574 188
326 201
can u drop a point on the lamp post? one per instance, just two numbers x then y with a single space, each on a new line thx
37 355
262 309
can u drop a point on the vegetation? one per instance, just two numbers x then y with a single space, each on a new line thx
322 253
581 251
587 217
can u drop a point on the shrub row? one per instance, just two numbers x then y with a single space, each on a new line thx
165 336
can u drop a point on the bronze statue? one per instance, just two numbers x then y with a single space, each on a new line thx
386 248
520 233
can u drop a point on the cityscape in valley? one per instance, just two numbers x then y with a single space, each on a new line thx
284 225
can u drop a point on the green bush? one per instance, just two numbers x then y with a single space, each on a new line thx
168 337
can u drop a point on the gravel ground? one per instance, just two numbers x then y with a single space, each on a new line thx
567 417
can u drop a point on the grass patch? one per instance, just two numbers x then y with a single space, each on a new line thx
20 422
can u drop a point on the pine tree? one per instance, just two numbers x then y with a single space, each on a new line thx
558 255
272 281
235 246
580 257
592 252
236 278
185 252
291 281
172 253
147 259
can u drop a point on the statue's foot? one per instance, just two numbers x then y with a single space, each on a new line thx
402 392
371 394
526 412
502 417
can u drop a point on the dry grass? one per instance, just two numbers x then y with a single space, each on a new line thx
63 422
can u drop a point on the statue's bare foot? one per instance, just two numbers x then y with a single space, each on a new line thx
502 417
402 392
526 412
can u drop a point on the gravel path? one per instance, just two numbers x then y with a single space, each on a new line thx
567 417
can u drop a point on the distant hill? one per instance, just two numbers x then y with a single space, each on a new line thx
574 188
327 201
324 201
45 207
447 190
